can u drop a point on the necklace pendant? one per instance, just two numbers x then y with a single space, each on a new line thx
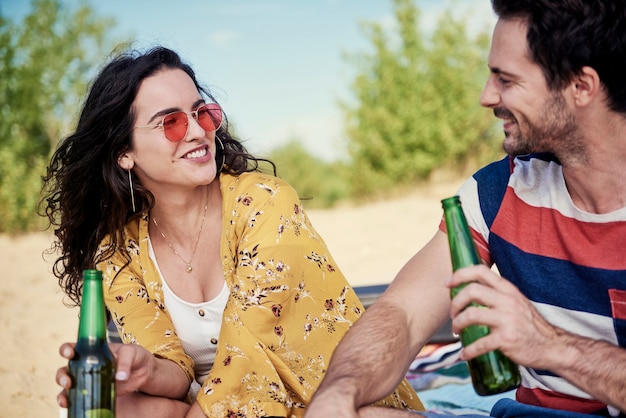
188 268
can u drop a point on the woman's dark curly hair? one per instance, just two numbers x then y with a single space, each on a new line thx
86 195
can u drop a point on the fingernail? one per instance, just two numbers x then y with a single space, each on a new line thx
67 352
63 381
121 375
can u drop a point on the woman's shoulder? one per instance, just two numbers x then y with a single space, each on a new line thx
255 184
131 231
249 178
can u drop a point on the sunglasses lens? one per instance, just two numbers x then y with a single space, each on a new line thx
210 117
175 126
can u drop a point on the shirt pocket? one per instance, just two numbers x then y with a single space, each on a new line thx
618 311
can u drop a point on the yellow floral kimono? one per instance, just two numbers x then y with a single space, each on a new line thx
288 308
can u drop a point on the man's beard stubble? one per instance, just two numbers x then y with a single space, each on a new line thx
555 131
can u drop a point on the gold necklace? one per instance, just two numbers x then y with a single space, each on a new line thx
188 267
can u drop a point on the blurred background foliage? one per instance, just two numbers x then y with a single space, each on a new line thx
416 107
413 112
45 64
320 183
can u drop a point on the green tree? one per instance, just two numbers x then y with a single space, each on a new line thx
416 102
320 184
45 61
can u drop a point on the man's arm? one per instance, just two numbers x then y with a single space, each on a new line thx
375 354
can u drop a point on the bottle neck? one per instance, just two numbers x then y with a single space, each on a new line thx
92 324
462 248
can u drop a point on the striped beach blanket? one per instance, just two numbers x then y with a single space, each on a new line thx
444 384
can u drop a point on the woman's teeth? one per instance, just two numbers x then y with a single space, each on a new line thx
196 154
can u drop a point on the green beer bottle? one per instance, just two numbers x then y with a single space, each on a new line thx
492 372
92 369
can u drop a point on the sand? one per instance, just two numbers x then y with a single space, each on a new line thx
370 243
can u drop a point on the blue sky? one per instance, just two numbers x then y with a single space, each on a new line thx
276 66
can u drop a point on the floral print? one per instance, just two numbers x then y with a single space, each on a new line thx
289 306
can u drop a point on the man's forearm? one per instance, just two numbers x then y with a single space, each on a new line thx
597 367
372 358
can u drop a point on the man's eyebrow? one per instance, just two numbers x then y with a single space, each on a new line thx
499 71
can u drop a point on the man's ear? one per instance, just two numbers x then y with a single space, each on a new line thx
125 162
586 86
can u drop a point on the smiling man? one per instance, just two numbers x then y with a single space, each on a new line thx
551 216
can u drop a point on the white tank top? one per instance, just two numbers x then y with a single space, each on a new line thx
196 324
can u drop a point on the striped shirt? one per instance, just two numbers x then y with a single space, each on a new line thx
569 263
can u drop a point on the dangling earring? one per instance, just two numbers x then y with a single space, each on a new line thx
132 192
217 138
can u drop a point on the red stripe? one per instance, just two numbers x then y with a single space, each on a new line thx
548 399
481 245
588 244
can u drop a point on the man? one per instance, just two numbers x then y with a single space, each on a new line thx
553 223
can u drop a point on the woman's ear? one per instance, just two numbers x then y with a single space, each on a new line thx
125 162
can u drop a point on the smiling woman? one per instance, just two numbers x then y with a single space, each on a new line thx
231 288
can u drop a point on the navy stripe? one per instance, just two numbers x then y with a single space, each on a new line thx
574 287
543 156
492 181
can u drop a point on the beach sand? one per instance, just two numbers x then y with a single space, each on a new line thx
370 243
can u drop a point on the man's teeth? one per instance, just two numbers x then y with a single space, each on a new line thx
196 154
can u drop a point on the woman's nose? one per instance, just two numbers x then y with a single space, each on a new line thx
194 130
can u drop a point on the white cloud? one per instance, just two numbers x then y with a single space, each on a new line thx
224 38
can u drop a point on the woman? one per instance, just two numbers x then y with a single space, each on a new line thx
212 270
